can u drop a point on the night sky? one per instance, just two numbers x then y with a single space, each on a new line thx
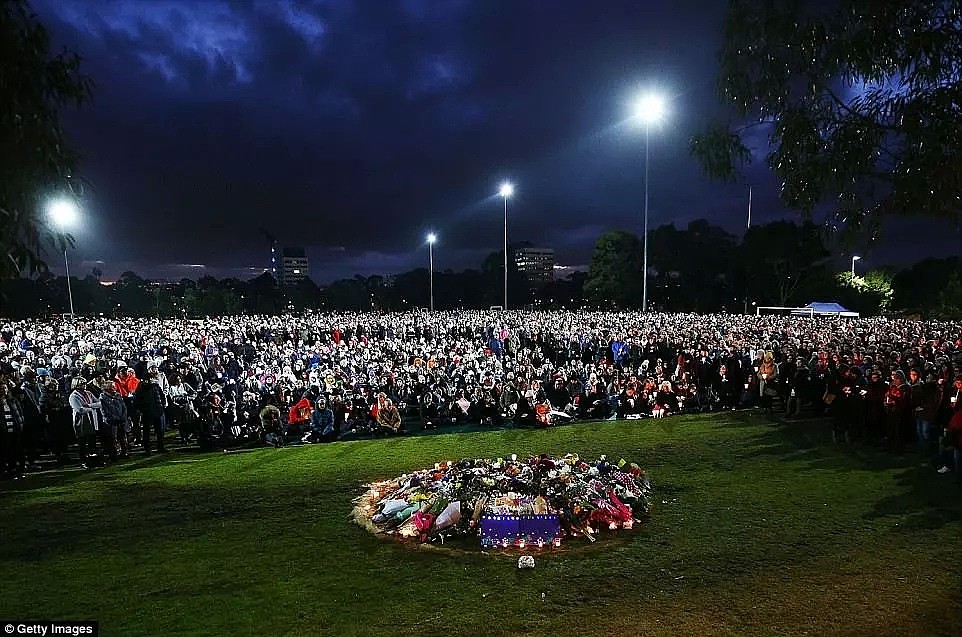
354 128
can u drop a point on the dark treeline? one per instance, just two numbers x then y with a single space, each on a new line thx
700 268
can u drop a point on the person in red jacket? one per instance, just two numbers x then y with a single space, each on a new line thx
300 414
126 382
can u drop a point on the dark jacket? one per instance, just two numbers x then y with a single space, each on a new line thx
149 399
114 409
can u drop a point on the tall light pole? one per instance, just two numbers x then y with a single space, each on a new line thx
431 239
506 191
749 226
63 213
854 259
650 109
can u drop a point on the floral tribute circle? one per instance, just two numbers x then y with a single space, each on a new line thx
533 503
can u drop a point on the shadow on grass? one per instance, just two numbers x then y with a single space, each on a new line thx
927 500
922 498
128 514
66 475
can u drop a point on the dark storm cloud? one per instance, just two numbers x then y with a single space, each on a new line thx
353 128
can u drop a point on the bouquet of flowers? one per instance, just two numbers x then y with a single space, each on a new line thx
513 501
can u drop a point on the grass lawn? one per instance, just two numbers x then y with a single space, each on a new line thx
758 529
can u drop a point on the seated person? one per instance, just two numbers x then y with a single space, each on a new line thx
299 416
666 402
272 427
558 395
488 407
462 409
322 423
388 417
543 413
524 415
431 410
352 418
630 403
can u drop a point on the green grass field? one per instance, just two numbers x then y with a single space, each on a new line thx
758 529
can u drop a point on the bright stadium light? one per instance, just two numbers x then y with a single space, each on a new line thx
507 189
432 238
64 214
650 108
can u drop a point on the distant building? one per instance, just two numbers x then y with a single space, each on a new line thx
294 266
535 264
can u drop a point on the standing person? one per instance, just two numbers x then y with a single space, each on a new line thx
797 386
127 383
154 375
726 388
926 399
874 406
149 400
844 385
57 412
12 457
126 380
619 352
180 408
34 423
767 381
898 411
86 419
115 427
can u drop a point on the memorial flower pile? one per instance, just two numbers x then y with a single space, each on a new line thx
535 502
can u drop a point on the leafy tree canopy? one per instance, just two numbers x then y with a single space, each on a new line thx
615 273
861 99
35 161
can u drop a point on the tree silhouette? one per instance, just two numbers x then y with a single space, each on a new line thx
35 160
860 101
615 274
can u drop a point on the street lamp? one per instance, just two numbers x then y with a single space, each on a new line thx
63 212
854 259
650 109
506 191
431 239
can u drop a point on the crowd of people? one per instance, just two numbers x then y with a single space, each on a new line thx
102 388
